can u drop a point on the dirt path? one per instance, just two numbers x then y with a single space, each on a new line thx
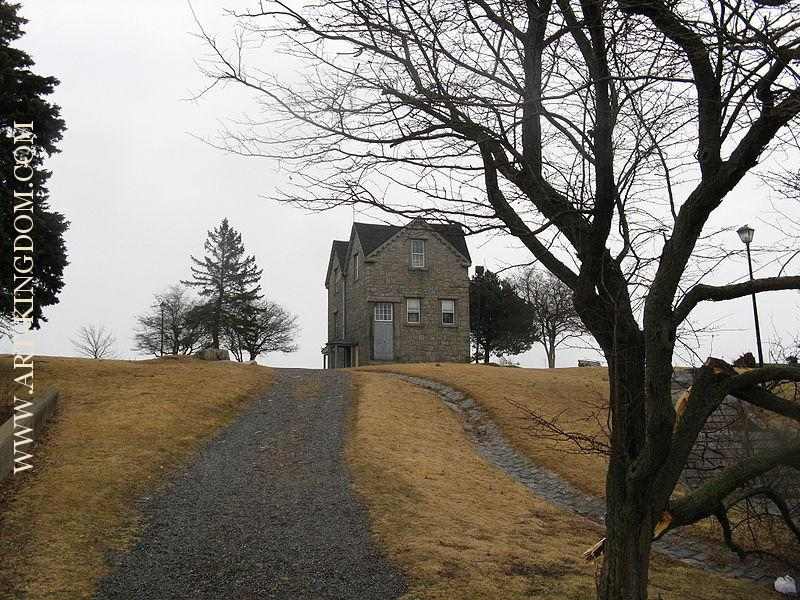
265 511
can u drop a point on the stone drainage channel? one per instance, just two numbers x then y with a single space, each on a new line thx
493 446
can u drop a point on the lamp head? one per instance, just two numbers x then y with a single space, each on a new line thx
745 233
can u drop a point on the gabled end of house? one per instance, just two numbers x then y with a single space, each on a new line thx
398 294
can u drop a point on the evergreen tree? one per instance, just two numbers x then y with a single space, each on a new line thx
23 100
500 321
226 277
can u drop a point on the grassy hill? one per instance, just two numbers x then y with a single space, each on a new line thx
574 397
462 529
120 427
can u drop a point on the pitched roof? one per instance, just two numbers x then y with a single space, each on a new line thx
339 250
340 247
373 235
455 235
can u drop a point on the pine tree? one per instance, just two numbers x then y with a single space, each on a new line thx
226 277
23 100
500 321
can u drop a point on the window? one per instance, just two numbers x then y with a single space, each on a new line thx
417 254
383 311
355 266
335 280
413 310
336 324
448 312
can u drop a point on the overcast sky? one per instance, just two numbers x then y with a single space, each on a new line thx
141 191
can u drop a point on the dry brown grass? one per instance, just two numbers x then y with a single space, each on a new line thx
121 426
574 394
460 528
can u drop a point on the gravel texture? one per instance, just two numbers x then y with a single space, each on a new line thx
266 510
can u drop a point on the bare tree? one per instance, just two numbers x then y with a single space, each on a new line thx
260 328
555 316
786 182
94 341
175 324
784 346
602 135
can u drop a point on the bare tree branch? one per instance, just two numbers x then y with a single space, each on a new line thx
710 293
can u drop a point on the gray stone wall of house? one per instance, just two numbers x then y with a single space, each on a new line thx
332 305
337 295
390 278
387 276
358 311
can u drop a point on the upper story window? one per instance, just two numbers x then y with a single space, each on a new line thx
355 266
448 312
413 310
417 254
335 280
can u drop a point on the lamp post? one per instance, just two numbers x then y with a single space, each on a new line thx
746 235
162 328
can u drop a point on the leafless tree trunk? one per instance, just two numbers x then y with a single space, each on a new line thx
566 125
550 348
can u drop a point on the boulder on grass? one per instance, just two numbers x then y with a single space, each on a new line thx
213 354
588 363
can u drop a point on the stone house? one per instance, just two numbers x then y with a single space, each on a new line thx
398 294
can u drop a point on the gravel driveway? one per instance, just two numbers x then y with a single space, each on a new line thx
265 511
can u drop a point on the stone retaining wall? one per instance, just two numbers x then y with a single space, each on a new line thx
42 410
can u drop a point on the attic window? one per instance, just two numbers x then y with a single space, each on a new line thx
417 254
355 266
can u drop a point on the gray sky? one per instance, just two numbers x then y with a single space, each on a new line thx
141 191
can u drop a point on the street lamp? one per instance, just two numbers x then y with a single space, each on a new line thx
162 327
746 235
